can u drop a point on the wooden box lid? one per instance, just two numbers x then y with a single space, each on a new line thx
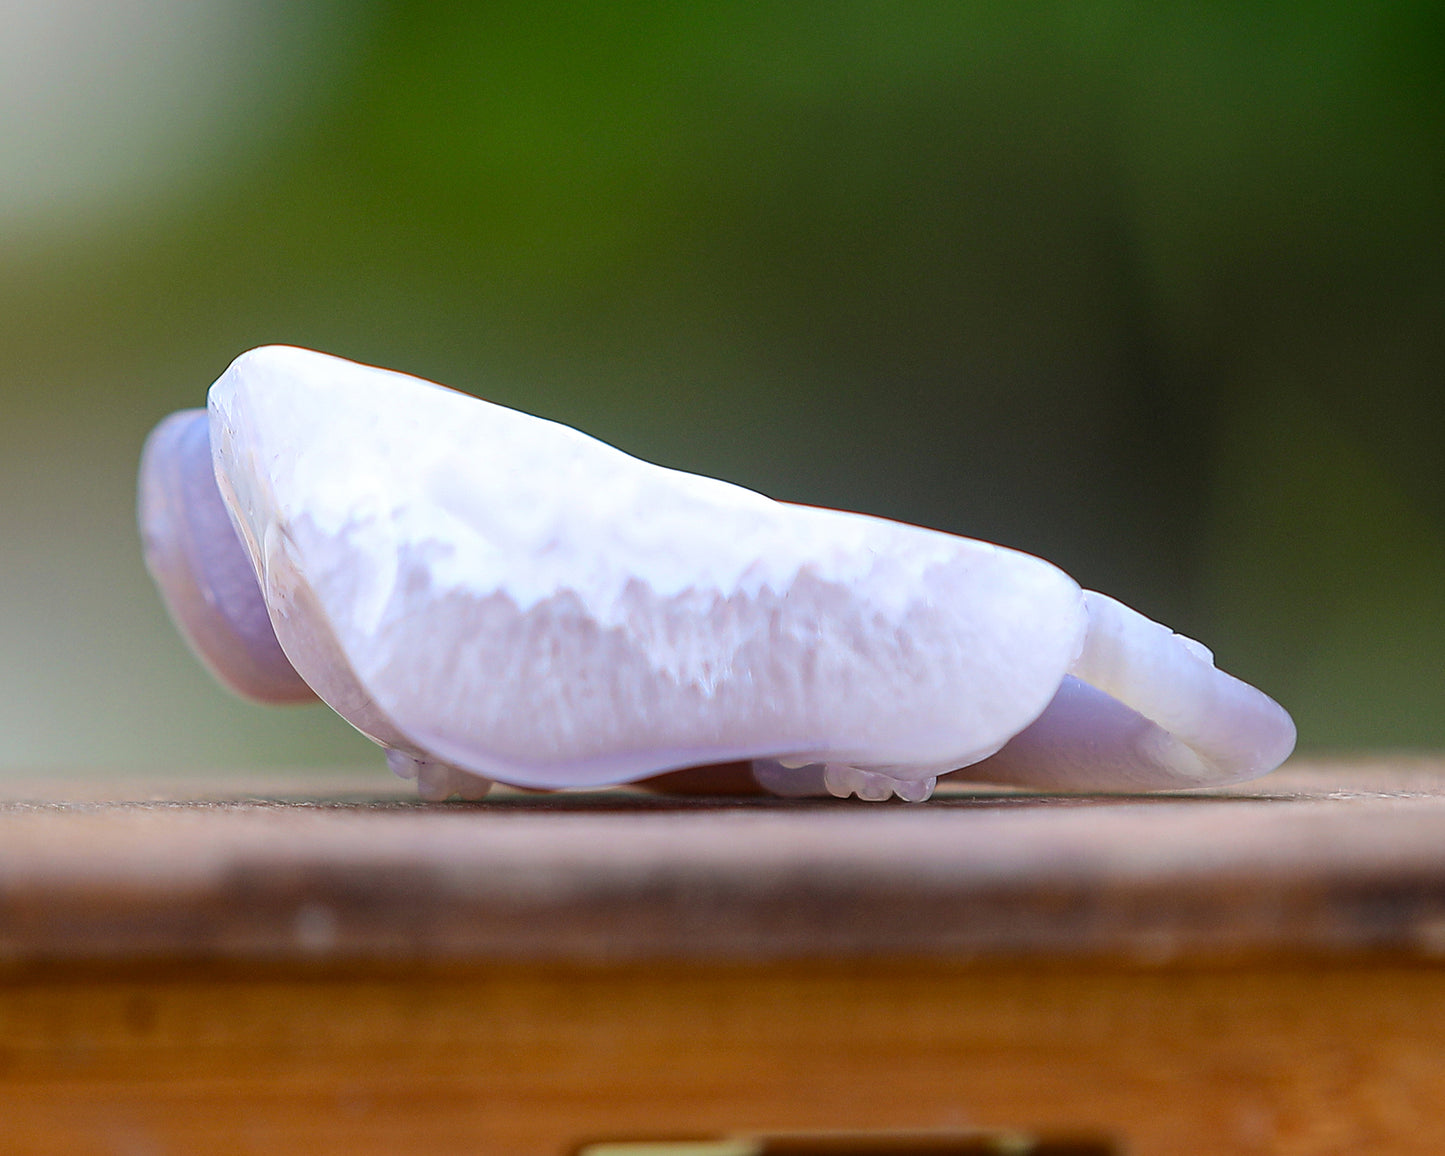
1335 859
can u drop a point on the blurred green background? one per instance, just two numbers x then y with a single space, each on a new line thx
1154 290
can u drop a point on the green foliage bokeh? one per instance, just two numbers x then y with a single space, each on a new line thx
1153 290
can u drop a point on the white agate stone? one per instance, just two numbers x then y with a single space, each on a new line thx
492 596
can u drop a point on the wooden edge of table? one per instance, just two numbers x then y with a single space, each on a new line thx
1339 860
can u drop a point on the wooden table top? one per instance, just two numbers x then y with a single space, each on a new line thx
1336 859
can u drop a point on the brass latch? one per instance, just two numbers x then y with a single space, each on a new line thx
975 1143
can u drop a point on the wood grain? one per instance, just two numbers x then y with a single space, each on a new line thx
531 1060
1317 860
232 966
